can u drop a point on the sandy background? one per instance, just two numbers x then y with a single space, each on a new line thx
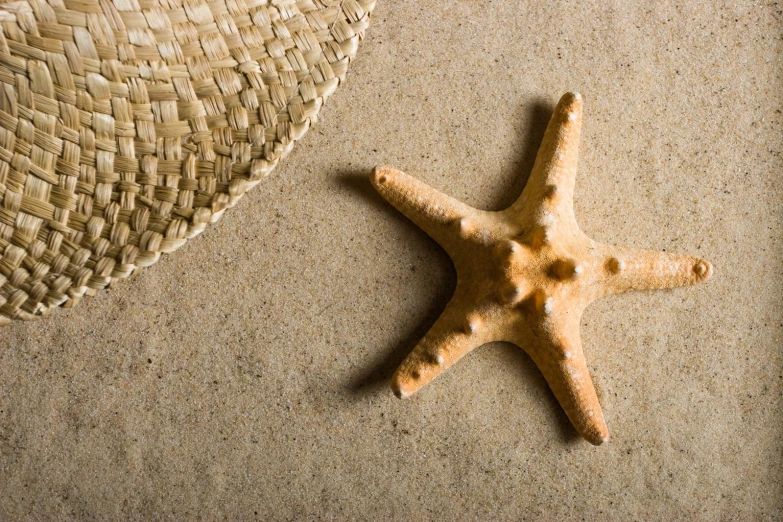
246 376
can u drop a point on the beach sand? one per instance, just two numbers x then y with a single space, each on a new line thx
246 375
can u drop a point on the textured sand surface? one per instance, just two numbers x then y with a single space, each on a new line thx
246 375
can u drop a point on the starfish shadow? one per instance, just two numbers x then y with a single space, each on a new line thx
527 370
512 181
380 370
378 373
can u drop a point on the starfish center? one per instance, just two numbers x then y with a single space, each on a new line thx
529 275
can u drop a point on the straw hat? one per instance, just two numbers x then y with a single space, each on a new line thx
126 126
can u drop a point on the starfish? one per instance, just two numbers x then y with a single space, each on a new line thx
526 274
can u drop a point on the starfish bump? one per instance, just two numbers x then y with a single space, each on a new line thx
526 274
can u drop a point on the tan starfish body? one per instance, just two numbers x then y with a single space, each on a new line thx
526 274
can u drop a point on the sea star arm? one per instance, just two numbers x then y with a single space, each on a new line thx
437 214
448 340
548 197
638 269
557 351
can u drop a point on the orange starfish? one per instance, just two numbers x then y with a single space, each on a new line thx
526 274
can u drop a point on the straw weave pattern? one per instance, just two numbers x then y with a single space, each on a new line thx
126 126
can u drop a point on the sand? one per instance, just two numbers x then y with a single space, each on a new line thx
246 375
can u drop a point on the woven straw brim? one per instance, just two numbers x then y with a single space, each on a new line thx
126 126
